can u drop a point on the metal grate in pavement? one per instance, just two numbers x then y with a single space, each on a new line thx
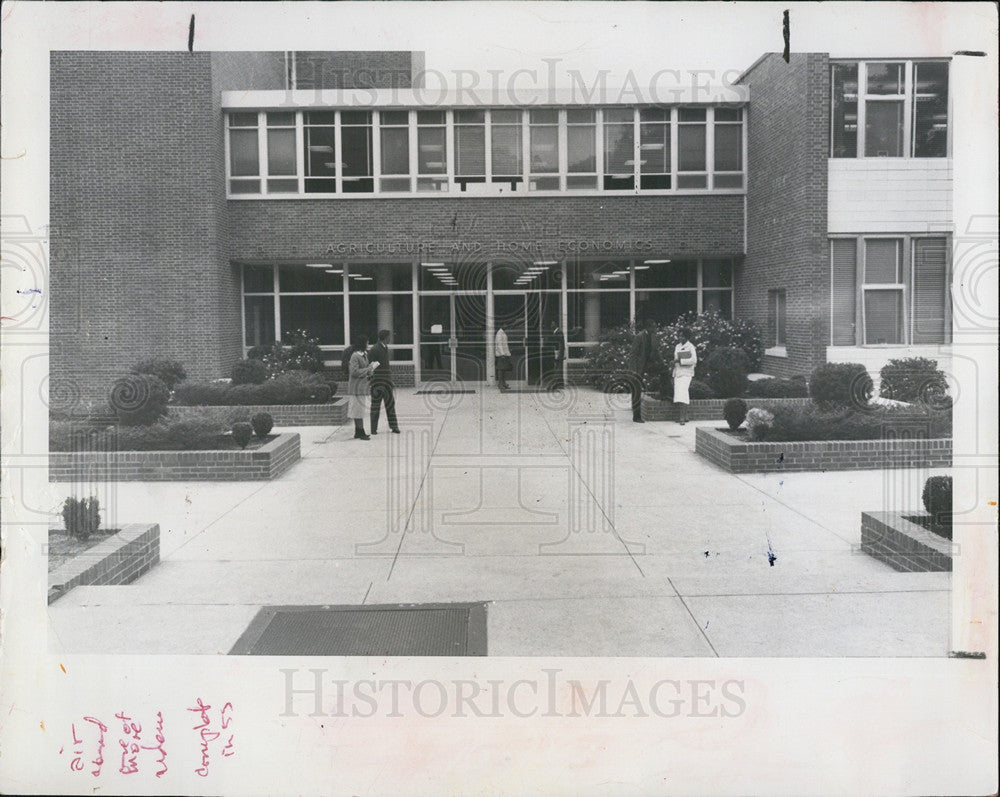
441 629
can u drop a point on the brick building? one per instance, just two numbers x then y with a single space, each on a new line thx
216 201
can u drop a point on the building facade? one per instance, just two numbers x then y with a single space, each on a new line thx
217 201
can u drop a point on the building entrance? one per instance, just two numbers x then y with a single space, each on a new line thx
453 342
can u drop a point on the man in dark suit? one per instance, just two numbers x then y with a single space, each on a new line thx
642 357
381 381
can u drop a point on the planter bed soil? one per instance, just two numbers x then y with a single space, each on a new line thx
332 413
736 455
707 409
264 462
892 538
113 558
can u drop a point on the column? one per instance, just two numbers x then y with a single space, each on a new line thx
591 316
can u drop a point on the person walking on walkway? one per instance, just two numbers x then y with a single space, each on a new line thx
641 359
685 359
381 380
501 350
359 372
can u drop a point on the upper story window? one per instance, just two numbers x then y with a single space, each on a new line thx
889 109
488 150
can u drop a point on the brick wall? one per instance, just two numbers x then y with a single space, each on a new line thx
331 414
740 456
707 409
259 464
137 214
787 150
471 227
119 560
903 545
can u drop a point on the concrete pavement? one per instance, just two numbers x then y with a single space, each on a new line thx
588 535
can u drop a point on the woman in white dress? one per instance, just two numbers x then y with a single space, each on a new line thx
685 359
359 373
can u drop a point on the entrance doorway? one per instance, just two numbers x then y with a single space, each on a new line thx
453 337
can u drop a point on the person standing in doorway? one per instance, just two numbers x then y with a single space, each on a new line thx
685 359
359 372
555 351
501 350
381 382
642 357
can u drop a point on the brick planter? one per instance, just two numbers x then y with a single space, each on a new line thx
707 409
259 464
903 545
333 413
121 559
741 456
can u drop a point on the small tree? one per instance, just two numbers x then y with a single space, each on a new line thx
937 499
82 516
841 385
726 371
139 399
262 424
735 412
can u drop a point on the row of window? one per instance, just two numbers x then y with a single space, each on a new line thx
484 150
889 109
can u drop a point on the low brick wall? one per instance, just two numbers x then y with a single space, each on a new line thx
121 559
259 464
903 545
740 456
333 413
706 409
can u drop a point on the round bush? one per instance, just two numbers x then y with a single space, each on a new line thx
937 499
726 371
841 384
249 372
262 424
139 399
913 379
735 412
759 423
170 371
242 432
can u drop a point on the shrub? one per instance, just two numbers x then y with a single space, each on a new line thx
759 424
167 434
242 432
298 351
139 399
293 387
262 424
726 371
913 379
249 372
841 385
827 422
169 371
795 387
937 499
735 412
82 516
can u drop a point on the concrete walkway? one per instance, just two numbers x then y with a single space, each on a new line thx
588 535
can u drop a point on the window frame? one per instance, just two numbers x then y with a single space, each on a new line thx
907 98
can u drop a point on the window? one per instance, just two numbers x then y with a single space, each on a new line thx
432 172
506 147
691 138
889 109
394 154
244 156
895 289
504 150
581 148
619 149
544 149
356 148
281 165
654 148
321 159
470 147
776 318
728 150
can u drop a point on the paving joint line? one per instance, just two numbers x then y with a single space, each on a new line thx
693 618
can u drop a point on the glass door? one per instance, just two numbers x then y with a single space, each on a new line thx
469 336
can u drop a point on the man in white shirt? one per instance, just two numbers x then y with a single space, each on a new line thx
502 352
